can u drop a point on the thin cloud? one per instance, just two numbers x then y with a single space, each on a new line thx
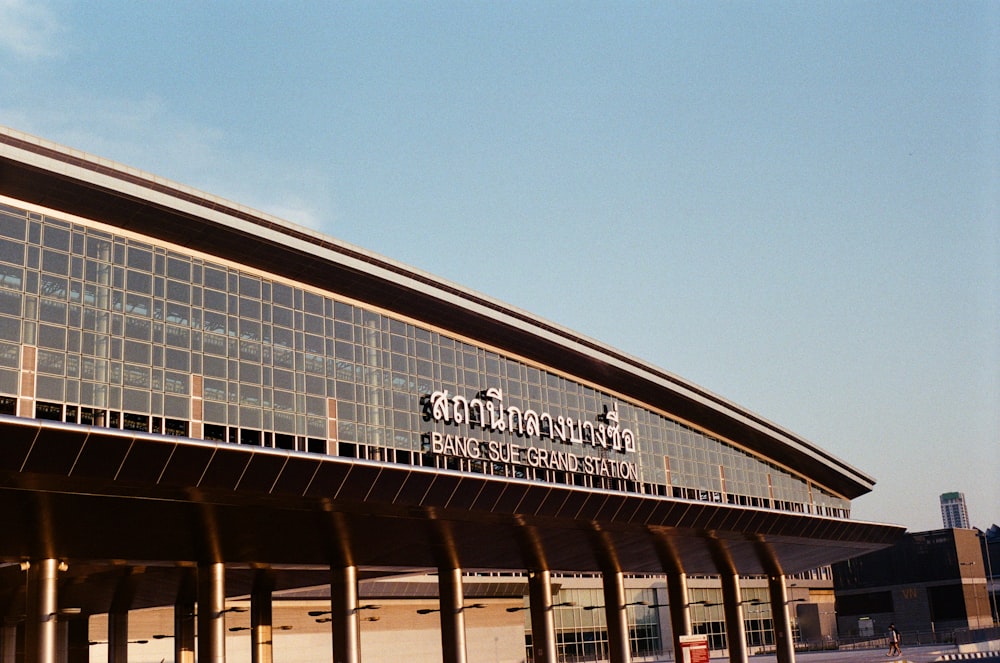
29 29
147 134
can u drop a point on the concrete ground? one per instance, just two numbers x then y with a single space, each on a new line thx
916 654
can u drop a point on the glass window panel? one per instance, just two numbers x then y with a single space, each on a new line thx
215 300
137 328
250 372
52 311
140 258
8 382
11 277
10 355
249 394
283 357
10 303
53 363
49 388
282 294
214 322
176 383
214 277
316 385
11 252
178 268
56 238
12 226
249 286
137 304
215 366
282 316
54 262
178 313
249 308
136 376
284 400
250 329
139 281
138 352
52 337
136 400
313 324
178 292
179 360
177 407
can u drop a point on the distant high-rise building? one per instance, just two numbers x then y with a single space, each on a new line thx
953 511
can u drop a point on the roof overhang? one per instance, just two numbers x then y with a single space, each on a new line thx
75 183
93 493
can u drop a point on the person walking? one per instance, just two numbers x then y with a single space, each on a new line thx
893 641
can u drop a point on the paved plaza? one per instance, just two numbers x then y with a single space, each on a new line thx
918 654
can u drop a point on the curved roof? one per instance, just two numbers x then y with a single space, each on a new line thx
68 180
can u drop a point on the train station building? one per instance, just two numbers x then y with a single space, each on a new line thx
200 403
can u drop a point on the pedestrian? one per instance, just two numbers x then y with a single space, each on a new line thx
893 641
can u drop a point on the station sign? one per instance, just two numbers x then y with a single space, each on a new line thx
487 412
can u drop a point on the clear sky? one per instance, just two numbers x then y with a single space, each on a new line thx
795 205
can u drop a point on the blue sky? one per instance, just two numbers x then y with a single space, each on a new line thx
794 205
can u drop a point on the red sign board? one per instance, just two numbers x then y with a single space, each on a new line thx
694 649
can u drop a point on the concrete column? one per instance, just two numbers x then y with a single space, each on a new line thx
344 614
8 644
78 646
41 614
543 623
680 611
211 618
121 602
616 615
452 613
732 607
784 645
261 632
184 618
118 636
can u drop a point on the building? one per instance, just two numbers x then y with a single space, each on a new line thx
953 511
931 582
991 554
204 407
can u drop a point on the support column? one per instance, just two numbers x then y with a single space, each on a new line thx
117 636
677 592
121 602
778 594
79 640
184 618
616 616
784 645
732 600
8 643
452 613
211 618
261 632
41 614
732 607
680 611
344 614
543 623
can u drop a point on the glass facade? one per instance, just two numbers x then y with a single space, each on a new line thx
127 332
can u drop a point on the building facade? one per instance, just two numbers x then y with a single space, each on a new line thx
954 513
927 582
182 378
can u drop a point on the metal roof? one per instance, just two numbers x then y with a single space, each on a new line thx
76 183
122 500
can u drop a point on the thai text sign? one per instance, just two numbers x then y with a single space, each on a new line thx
486 411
